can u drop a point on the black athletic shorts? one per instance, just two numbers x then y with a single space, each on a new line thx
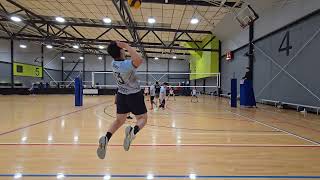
133 103
151 98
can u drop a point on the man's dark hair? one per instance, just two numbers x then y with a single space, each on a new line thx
114 50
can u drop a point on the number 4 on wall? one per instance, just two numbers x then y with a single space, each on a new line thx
288 47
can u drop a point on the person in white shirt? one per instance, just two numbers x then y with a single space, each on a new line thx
146 91
171 93
194 95
162 97
152 95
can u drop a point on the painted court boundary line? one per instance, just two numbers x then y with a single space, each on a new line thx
50 119
167 145
276 128
163 176
180 128
293 124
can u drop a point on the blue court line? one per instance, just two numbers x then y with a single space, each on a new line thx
163 176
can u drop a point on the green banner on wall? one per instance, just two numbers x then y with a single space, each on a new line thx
20 69
203 61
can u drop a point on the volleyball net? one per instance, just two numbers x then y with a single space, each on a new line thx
106 80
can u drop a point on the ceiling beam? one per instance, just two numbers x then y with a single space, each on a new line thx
80 40
72 41
191 2
125 15
31 15
101 25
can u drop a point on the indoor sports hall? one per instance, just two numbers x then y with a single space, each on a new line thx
231 88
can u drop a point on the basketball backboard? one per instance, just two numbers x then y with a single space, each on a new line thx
246 16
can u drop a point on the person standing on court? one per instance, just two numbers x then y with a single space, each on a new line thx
194 95
171 93
129 95
157 86
248 74
162 97
152 94
146 90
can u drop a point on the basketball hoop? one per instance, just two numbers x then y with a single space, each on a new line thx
246 16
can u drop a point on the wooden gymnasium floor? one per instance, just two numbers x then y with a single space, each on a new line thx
41 136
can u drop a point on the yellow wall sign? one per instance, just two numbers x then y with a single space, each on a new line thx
20 69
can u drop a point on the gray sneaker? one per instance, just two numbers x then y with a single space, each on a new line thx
129 136
101 151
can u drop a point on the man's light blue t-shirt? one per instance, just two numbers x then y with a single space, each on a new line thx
163 90
125 74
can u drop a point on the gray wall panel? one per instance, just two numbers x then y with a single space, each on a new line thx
233 68
158 65
178 65
55 74
304 67
5 50
5 72
32 55
51 58
29 55
92 63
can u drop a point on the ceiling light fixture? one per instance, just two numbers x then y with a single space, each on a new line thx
194 21
60 19
23 46
150 176
60 176
106 177
107 20
192 176
151 20
15 18
17 176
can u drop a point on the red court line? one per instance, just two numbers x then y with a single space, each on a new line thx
171 145
50 119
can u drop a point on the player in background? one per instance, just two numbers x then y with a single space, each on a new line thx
171 93
194 95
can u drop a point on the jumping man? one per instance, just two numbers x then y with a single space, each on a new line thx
129 97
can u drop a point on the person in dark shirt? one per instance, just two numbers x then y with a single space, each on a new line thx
248 74
157 86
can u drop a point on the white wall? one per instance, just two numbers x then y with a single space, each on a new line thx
274 14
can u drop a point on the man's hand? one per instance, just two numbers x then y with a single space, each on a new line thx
122 45
136 58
